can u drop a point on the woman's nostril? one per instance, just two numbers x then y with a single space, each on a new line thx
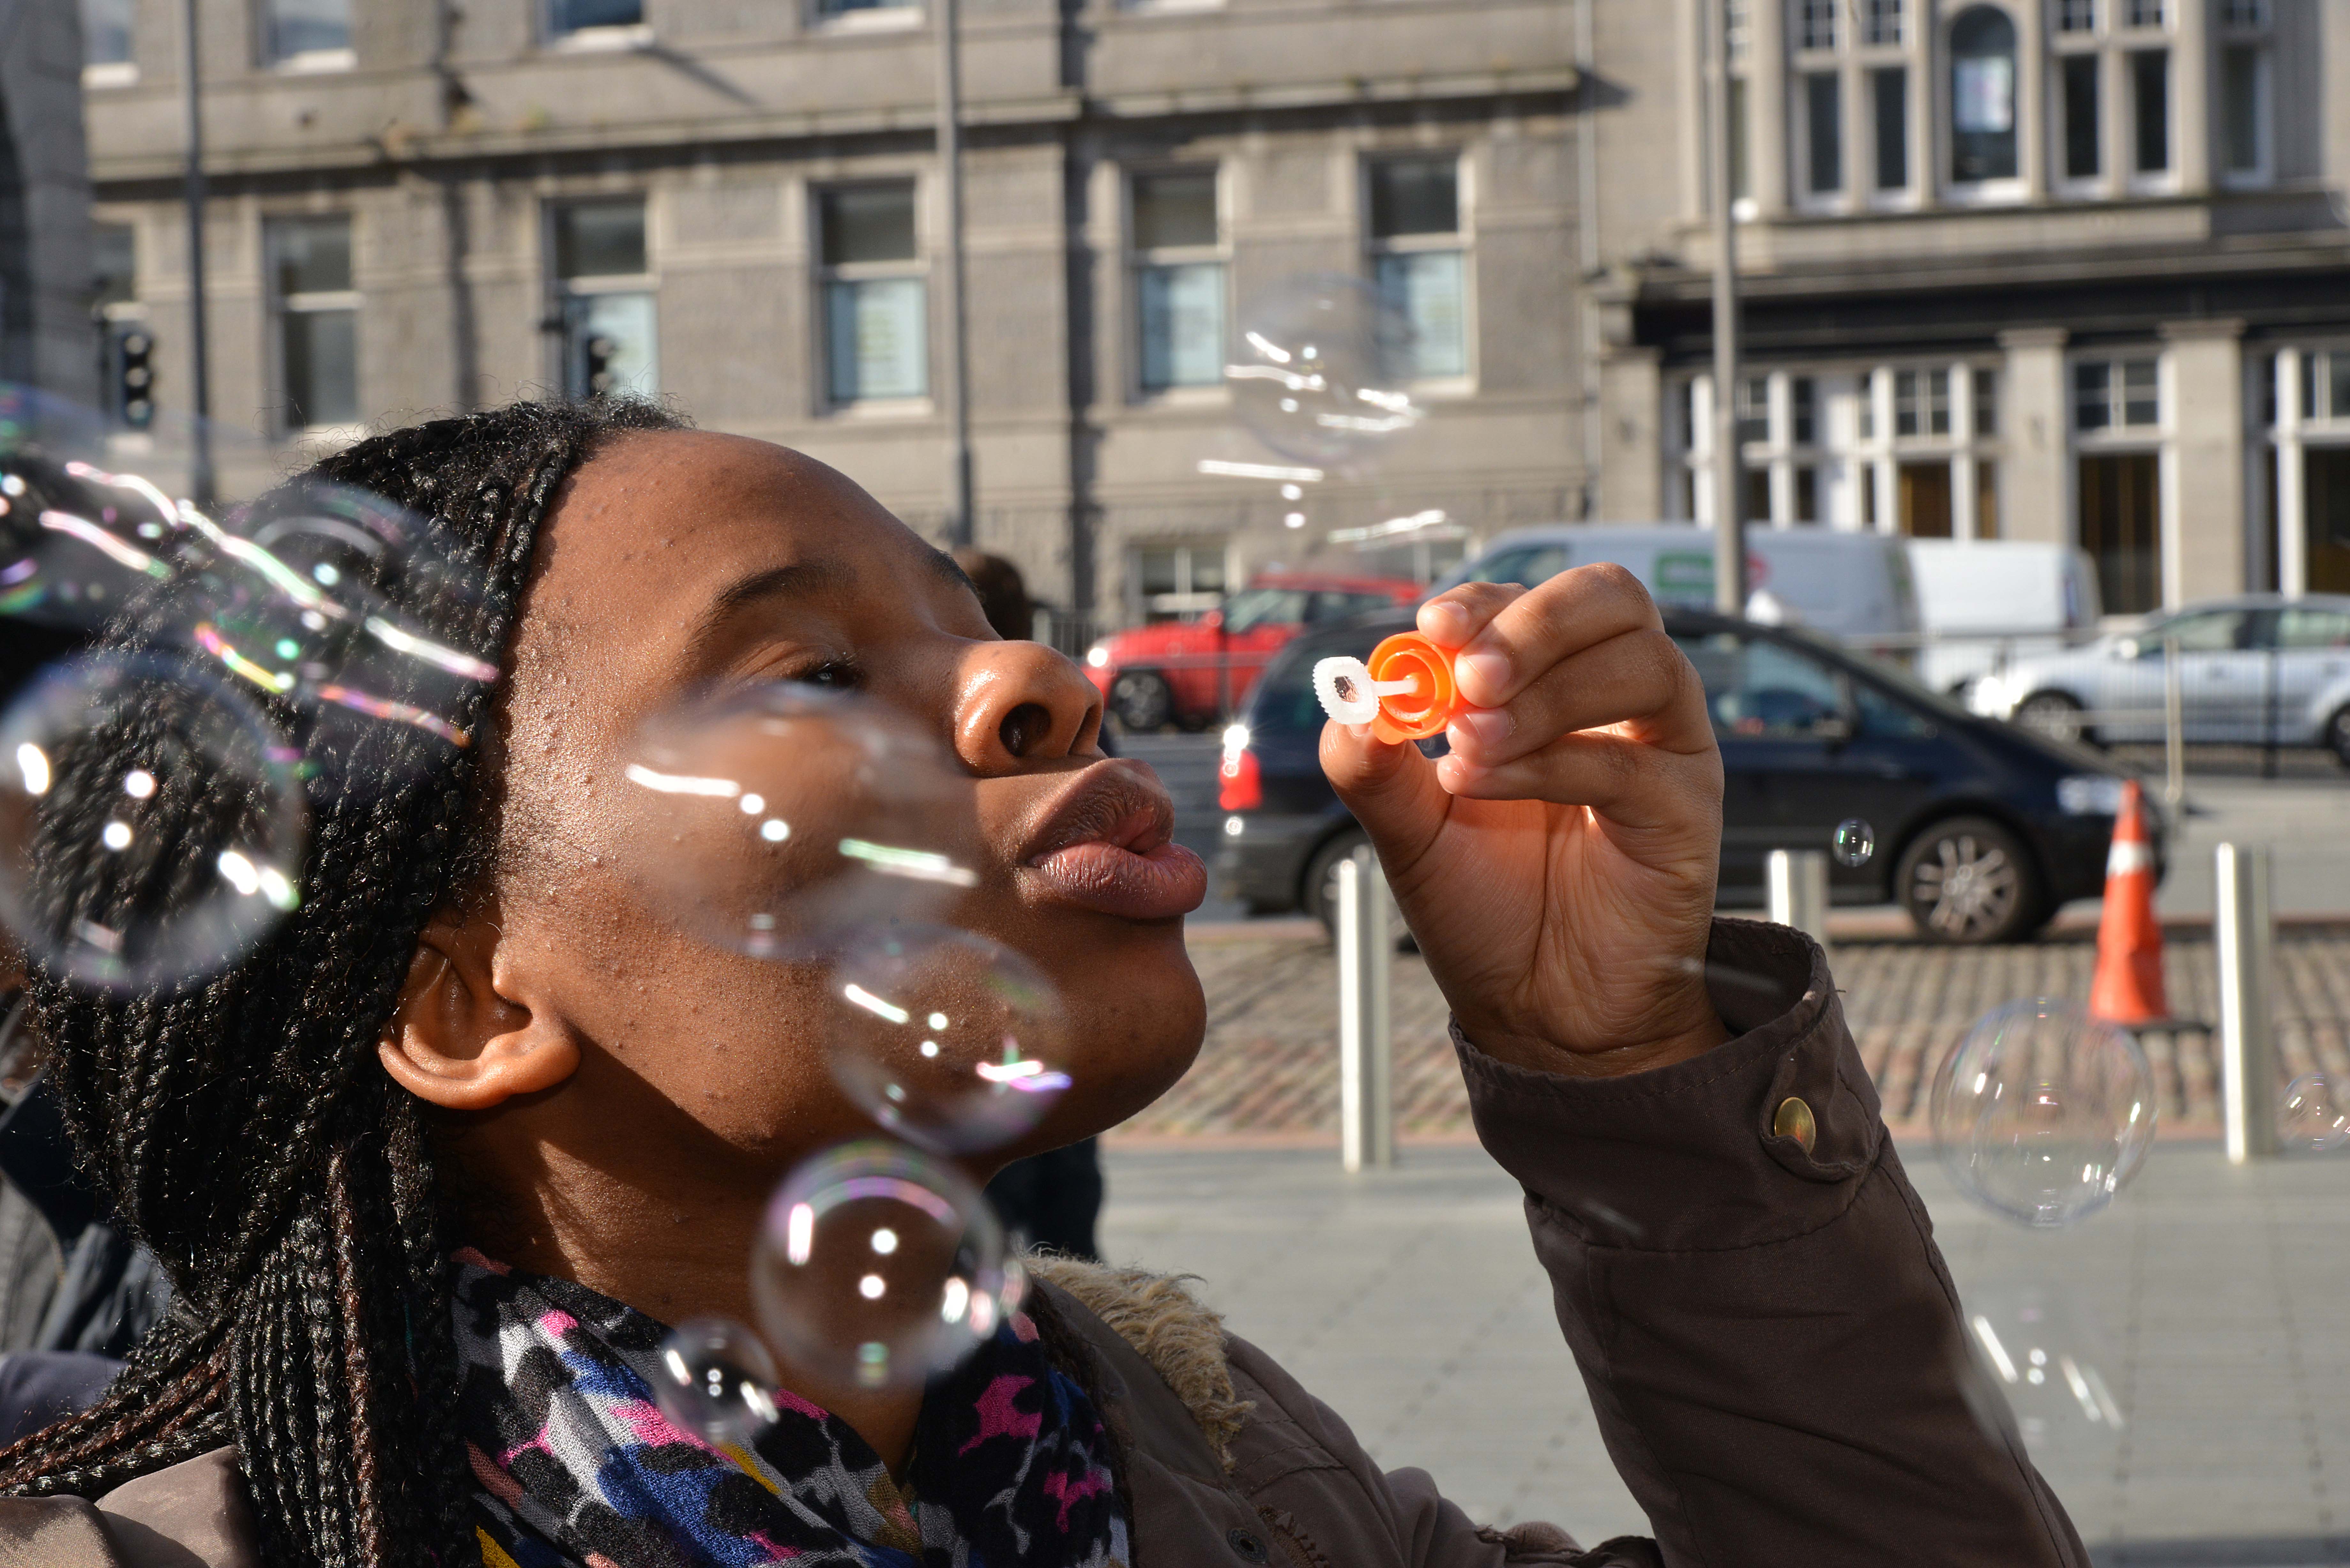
1024 726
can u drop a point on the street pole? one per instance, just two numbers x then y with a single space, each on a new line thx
1729 536
201 485
2246 940
1366 1030
958 345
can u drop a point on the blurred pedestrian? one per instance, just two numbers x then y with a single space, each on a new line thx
1051 1200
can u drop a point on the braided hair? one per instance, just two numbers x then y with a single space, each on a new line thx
241 1125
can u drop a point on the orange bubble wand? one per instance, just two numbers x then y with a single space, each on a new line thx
1404 691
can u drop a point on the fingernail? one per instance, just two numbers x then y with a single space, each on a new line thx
1492 672
1453 619
1485 728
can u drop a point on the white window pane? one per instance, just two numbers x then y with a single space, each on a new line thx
878 339
106 32
309 27
1426 289
613 346
2141 402
321 368
1182 324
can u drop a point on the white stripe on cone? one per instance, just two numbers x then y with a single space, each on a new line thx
2127 856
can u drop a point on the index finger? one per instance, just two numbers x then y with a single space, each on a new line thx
1577 610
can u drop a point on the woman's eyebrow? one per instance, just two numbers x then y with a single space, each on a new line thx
798 579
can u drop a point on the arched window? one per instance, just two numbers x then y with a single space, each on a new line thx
1982 96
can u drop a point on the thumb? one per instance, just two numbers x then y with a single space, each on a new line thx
1391 789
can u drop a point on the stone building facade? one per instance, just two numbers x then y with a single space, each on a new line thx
44 260
735 205
2071 270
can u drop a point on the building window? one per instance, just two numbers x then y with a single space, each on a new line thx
2078 77
1178 277
1982 96
1888 89
1803 410
1418 262
1816 24
317 310
312 34
1753 410
2115 394
1177 582
106 39
125 369
2244 14
1823 132
603 286
2144 13
1986 400
2244 112
877 10
1921 403
875 299
2076 16
2150 109
1849 56
1880 22
569 18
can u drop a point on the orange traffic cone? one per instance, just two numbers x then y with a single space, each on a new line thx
2129 984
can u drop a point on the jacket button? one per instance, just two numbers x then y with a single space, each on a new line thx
1247 1544
1795 1120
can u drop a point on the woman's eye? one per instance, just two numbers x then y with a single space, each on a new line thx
836 673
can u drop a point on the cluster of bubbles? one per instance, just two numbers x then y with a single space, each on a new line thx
2316 1117
162 794
822 830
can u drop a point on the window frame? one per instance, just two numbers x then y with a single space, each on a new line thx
301 62
1996 189
1458 243
915 267
2255 33
2112 39
283 305
566 293
110 73
2118 434
1141 260
1865 40
1142 606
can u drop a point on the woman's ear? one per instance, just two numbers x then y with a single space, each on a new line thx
461 1039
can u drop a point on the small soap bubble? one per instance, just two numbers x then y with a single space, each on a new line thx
2315 1114
2041 1114
1855 843
153 822
880 1266
782 820
1321 370
2041 1350
946 1039
716 1380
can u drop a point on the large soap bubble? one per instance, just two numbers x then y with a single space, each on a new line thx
153 822
1321 370
880 1266
2041 1114
783 819
948 1040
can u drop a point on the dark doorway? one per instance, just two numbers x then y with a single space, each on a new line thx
2326 498
1926 500
2121 528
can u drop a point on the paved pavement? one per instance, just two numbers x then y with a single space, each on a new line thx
2208 1298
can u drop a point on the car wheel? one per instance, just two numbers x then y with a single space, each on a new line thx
2338 737
1142 700
1970 880
2054 715
1320 893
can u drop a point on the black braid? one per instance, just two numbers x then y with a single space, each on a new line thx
240 1123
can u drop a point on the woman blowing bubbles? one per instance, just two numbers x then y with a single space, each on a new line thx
431 1169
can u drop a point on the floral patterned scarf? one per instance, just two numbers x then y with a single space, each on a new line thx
577 1467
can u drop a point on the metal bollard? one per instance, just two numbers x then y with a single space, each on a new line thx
1366 1036
2246 937
2174 726
1795 883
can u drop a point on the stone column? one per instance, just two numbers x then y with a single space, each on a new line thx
2203 523
2293 520
2034 106
1631 473
1768 144
2038 488
2191 90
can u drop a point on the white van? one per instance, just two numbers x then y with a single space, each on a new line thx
1993 600
1852 584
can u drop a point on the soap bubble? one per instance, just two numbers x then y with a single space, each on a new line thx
878 1266
73 551
716 1379
1320 371
326 596
2315 1114
2041 1114
786 816
162 867
2041 1350
1856 842
948 1040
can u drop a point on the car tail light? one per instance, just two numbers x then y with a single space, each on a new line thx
1238 787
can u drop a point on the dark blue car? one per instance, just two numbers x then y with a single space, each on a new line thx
1983 830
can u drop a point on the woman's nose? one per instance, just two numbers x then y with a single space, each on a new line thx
1021 702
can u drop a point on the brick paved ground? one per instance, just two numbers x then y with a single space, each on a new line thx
1269 1069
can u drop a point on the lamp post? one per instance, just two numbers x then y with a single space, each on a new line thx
201 485
1729 535
957 377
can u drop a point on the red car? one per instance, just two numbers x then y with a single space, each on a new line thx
1189 672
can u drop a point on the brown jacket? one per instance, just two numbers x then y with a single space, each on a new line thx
1767 1334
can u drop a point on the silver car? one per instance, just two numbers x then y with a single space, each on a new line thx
2261 670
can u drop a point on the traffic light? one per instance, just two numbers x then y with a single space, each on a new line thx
597 349
134 375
